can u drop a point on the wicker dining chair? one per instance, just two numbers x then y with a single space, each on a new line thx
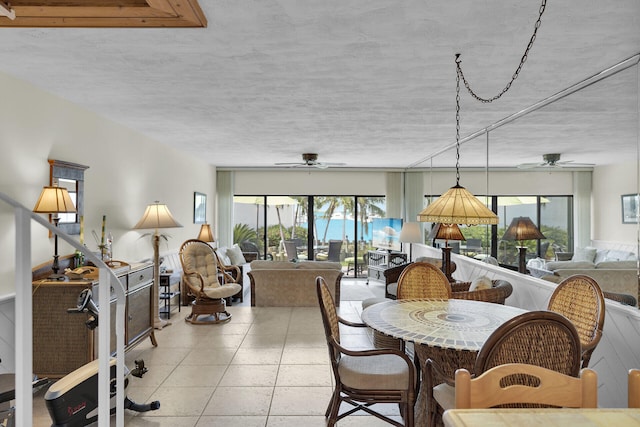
548 387
364 377
580 299
541 338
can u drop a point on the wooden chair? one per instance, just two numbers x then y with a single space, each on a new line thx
580 299
544 386
363 378
291 249
200 273
541 338
634 388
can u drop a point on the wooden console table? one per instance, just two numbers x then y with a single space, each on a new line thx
62 342
379 261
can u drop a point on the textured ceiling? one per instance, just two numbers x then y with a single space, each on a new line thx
369 83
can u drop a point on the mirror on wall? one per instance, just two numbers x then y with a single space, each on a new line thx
70 176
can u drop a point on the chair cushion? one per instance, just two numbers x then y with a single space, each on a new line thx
384 372
223 291
392 289
445 395
371 301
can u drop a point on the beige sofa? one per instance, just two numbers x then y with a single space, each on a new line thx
292 284
614 270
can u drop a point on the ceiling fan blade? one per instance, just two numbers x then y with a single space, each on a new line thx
531 165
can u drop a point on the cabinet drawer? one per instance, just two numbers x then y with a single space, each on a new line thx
140 277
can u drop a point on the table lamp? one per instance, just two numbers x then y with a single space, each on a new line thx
411 233
520 229
446 232
157 216
55 200
206 235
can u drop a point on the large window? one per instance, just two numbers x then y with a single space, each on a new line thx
309 224
553 215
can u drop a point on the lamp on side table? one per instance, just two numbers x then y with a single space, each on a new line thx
157 216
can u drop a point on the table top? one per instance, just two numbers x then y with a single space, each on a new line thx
454 323
551 417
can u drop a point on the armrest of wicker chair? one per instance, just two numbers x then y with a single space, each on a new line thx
498 293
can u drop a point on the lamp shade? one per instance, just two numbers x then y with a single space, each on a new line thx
157 216
446 232
411 233
522 228
206 235
54 200
458 206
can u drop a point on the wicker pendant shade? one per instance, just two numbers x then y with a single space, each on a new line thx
458 206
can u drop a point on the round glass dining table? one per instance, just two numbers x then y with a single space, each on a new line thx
450 332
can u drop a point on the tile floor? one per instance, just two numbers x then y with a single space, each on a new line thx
266 367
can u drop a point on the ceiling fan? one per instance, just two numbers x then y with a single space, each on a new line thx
552 160
310 160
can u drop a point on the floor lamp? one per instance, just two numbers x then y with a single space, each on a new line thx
446 232
520 229
157 216
55 200
411 233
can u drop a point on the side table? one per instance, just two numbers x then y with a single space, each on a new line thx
167 281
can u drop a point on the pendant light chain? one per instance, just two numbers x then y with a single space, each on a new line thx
458 73
516 73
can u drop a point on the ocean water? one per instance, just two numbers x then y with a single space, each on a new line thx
335 231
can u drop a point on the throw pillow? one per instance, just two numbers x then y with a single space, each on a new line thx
480 283
236 256
584 254
222 254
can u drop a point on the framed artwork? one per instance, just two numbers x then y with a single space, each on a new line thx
199 208
630 204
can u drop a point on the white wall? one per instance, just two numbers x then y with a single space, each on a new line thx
126 172
609 183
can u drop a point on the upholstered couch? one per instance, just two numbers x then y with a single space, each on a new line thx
614 270
292 284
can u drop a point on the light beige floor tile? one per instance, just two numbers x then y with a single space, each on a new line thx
264 341
257 356
365 421
305 356
304 376
250 376
220 341
296 421
300 400
195 376
209 356
231 328
233 421
181 402
240 401
156 375
269 328
143 420
161 355
306 340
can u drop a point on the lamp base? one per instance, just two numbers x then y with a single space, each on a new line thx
160 323
522 259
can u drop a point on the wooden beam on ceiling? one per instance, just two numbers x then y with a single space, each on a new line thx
106 13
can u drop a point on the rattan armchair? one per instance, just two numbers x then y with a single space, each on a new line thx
633 389
364 378
423 280
541 338
580 299
200 273
499 292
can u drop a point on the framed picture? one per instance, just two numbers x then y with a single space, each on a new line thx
199 208
630 204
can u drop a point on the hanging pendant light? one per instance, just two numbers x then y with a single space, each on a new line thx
458 205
